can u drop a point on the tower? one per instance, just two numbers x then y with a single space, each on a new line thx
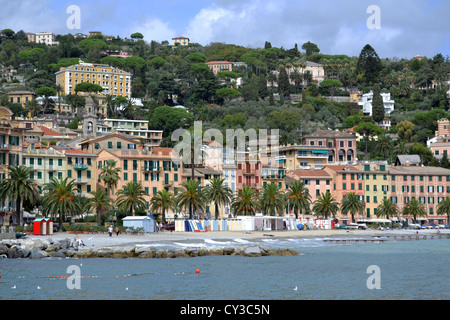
90 119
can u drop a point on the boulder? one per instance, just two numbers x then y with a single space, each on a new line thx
53 247
38 254
3 248
252 252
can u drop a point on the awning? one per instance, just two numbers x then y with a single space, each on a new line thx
320 151
380 220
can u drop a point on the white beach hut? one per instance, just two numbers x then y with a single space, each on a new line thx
145 222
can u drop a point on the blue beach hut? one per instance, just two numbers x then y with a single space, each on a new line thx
145 222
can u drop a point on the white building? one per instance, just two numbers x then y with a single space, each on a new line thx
366 103
46 37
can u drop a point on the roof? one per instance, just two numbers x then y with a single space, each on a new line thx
49 132
218 62
209 171
342 168
408 159
73 151
180 38
110 135
330 134
311 173
418 170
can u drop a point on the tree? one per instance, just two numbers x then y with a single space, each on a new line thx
331 85
246 202
227 93
378 111
131 197
88 87
405 130
162 200
387 209
110 175
100 202
46 92
60 199
137 35
298 198
271 199
351 204
191 197
218 193
310 48
19 187
326 206
368 129
283 83
415 209
443 208
369 64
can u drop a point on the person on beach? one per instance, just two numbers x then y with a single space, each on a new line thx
110 230
117 231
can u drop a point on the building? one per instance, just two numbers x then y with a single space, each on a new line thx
341 145
366 103
303 157
439 149
180 41
48 38
134 128
443 128
114 81
80 166
315 69
11 144
31 37
154 169
408 160
429 185
219 66
49 163
111 142
21 97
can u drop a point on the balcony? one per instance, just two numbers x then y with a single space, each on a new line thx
5 147
81 180
313 155
80 166
52 168
150 169
273 176
167 183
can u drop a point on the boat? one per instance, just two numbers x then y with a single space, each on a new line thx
20 235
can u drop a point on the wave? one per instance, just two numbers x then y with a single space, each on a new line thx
241 241
209 241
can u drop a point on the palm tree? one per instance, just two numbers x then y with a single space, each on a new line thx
60 198
351 204
415 209
110 175
246 201
387 209
443 208
100 202
218 193
298 197
163 200
191 197
131 197
19 187
271 199
325 206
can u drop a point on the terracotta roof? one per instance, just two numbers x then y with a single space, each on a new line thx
342 168
329 134
49 132
70 150
311 173
218 62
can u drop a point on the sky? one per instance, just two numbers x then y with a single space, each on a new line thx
403 28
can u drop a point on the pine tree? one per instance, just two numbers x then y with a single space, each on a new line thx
369 64
444 161
284 85
378 112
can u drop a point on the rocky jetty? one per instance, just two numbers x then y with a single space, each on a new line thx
45 248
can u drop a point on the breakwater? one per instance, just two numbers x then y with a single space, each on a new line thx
46 248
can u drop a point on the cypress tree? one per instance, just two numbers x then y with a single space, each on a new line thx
284 87
378 112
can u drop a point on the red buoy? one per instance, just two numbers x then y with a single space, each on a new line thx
197 270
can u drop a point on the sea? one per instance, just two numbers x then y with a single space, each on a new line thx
324 270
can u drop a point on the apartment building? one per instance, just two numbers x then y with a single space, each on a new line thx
48 38
219 66
137 129
342 145
112 142
21 97
429 185
114 81
303 157
80 166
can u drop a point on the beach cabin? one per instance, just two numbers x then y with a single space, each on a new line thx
39 227
145 222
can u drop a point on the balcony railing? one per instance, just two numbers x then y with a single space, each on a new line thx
5 147
80 166
151 169
81 180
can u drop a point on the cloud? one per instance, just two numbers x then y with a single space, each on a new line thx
154 29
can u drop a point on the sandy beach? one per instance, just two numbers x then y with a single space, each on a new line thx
96 241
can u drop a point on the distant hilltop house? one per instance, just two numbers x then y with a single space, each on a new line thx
95 33
316 69
366 103
113 81
21 97
48 38
219 66
180 41
118 54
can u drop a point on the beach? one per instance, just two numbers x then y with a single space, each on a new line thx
96 241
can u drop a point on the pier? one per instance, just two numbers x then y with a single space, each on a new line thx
390 238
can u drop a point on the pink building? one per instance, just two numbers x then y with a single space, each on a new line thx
440 148
342 145
218 66
316 181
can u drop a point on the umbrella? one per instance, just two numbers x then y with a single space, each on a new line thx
300 226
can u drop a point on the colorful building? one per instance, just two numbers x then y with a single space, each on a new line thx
114 81
180 41
219 66
342 145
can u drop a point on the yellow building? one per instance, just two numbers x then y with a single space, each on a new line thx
21 97
114 81
180 41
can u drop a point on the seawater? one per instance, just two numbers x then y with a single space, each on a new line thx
409 270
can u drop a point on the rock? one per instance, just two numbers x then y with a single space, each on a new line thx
53 247
38 254
57 254
14 253
3 248
64 244
252 252
25 252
